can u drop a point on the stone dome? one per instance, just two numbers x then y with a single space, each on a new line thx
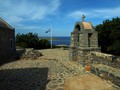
87 25
83 26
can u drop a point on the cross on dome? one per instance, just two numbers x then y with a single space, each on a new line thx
83 17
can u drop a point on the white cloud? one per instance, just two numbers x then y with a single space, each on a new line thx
99 13
22 27
16 11
78 14
32 27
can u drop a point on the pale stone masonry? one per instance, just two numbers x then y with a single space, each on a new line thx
84 39
7 40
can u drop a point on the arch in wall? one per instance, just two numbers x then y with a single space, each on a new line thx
77 27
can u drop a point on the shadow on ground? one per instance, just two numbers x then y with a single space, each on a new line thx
24 79
15 57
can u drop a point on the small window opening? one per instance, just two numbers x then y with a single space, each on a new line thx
11 44
89 39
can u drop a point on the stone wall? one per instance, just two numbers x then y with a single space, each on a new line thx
104 65
105 59
73 54
7 41
77 52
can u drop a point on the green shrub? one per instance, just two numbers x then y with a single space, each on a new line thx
109 36
31 40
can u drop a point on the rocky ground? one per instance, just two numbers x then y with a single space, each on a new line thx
47 72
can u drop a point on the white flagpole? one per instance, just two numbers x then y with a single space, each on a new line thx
51 36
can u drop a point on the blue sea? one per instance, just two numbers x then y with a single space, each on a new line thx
61 41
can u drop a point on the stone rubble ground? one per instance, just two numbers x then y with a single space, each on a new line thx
45 73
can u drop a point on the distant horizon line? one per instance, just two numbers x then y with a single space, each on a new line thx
55 36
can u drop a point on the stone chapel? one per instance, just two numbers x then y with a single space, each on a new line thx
7 40
84 39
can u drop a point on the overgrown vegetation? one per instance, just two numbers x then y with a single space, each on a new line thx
109 36
31 40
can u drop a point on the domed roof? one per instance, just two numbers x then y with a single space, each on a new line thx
5 24
87 25
83 26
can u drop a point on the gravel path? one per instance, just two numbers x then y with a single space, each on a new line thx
46 73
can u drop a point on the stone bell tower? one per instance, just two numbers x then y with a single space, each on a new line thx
84 39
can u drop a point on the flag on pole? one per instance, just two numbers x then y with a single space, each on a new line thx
47 31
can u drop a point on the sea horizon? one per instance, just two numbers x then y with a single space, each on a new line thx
59 40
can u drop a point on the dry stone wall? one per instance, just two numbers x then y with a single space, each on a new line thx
104 65
106 59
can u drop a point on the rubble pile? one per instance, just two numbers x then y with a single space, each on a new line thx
31 54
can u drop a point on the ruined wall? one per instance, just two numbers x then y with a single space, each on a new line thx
106 59
104 65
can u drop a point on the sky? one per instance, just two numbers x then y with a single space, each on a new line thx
38 16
